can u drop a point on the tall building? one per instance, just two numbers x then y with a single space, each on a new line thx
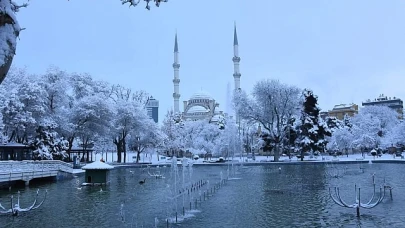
201 105
394 103
339 111
176 79
152 108
236 60
236 71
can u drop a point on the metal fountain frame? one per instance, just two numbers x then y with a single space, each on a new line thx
373 202
14 210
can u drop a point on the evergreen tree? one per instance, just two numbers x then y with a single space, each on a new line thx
347 122
313 129
333 123
47 145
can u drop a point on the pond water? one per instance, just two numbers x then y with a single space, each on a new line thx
254 196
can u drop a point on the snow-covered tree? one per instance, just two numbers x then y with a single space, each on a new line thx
9 31
23 106
334 123
55 84
93 116
347 121
372 124
387 117
341 139
172 128
396 136
130 115
15 118
365 131
207 137
190 136
313 129
146 136
47 143
272 104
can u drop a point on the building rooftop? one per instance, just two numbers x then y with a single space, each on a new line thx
343 106
197 109
201 95
13 144
97 165
382 98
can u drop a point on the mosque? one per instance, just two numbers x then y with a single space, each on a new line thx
201 104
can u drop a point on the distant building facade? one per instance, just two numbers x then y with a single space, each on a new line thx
339 111
394 103
323 115
152 108
201 105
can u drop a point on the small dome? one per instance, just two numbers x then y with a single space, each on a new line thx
201 95
197 109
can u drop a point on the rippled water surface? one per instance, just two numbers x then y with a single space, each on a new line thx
254 196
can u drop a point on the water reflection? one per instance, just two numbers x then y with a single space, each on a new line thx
260 196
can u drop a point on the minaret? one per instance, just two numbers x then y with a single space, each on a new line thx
236 60
176 79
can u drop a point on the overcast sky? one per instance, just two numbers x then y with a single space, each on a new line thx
346 51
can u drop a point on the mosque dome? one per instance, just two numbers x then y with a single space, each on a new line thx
197 109
201 95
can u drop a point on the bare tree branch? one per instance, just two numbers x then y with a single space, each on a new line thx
136 2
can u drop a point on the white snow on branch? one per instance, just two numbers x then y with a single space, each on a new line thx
9 31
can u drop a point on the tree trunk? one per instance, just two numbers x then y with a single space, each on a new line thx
70 141
124 148
276 152
5 62
118 142
138 155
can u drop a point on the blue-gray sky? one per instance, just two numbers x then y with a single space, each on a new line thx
346 51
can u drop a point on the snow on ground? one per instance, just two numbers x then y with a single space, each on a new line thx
153 158
16 166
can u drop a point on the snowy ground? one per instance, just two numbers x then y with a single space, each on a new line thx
153 159
15 166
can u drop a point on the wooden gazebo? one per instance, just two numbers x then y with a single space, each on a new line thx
84 154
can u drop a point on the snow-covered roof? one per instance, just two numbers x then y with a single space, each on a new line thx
343 106
201 95
97 165
12 144
216 118
197 109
